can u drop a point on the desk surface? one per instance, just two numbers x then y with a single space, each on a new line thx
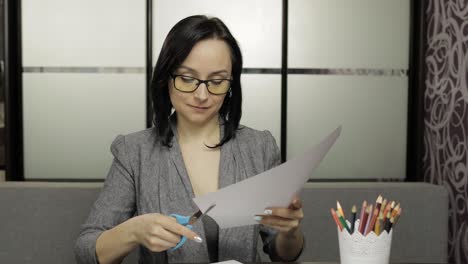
339 263
325 263
331 263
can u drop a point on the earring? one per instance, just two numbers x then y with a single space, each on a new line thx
230 93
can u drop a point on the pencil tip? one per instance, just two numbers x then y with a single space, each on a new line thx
379 199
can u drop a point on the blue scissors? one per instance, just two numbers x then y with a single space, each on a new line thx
188 221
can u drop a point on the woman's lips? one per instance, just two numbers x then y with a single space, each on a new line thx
200 108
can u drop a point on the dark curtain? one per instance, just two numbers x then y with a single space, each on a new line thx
445 113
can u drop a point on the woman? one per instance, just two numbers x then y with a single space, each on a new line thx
197 146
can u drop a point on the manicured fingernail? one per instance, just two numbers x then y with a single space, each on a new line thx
258 218
198 239
268 212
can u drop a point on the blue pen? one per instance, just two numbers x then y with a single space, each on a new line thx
188 221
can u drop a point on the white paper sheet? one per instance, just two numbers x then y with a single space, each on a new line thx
237 204
228 262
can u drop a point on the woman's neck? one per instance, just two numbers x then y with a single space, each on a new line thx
207 134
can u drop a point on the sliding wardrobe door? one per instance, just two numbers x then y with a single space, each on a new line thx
348 65
83 84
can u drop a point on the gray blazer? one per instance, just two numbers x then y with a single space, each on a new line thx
146 177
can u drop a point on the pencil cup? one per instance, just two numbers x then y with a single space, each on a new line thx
359 249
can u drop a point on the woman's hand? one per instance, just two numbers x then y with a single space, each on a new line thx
290 240
159 232
285 220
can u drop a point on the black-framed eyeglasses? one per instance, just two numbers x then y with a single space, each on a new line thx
188 84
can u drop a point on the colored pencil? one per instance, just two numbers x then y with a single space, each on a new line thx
387 209
353 219
336 219
386 221
384 204
388 227
361 215
378 224
395 210
369 218
378 202
338 207
343 221
362 225
375 215
397 216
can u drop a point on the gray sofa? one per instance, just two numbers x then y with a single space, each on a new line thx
39 222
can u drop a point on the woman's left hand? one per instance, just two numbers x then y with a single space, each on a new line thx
285 220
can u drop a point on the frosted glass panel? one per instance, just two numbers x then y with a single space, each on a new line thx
83 33
348 34
70 121
373 112
261 95
255 24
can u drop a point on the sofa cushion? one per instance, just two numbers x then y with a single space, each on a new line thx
40 222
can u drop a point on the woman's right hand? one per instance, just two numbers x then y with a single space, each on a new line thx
159 232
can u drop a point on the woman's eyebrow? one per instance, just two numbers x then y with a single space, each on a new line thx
188 68
195 71
218 72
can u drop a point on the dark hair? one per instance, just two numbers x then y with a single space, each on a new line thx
177 46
